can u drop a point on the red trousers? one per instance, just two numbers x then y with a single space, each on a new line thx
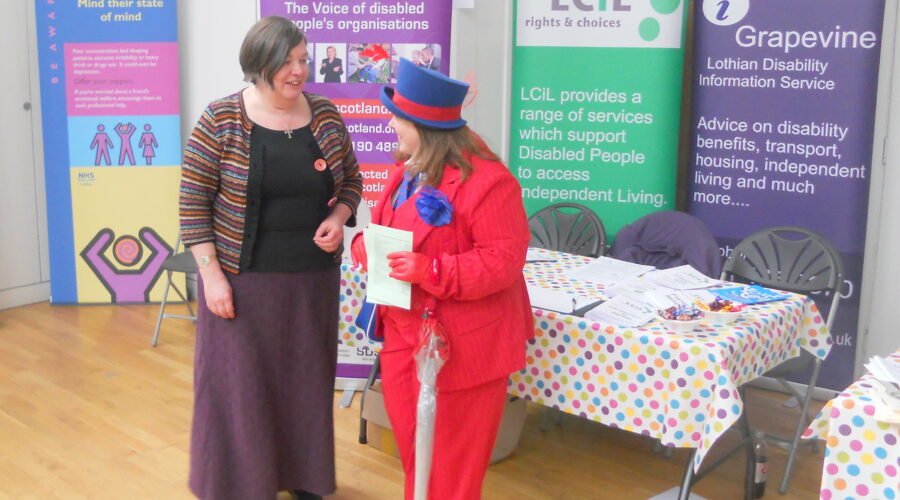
465 428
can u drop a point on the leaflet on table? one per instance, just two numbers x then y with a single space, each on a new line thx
887 401
607 271
635 286
666 298
884 369
380 287
539 255
753 294
682 278
622 310
556 300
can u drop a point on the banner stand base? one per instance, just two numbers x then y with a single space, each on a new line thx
350 386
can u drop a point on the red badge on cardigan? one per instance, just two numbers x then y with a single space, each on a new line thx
320 165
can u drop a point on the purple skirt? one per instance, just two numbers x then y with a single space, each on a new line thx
264 388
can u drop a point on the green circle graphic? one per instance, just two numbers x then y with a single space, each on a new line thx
665 6
649 29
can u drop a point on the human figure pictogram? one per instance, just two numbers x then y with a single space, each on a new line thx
127 285
148 142
125 131
101 143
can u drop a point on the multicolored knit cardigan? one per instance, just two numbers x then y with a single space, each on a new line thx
213 201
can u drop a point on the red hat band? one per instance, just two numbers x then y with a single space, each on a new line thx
431 113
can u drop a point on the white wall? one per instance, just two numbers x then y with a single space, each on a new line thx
481 45
209 35
879 327
24 263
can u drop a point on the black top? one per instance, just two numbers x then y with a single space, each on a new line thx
287 200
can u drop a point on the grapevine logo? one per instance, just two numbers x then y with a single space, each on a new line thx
725 12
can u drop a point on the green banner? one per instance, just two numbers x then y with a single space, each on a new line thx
596 94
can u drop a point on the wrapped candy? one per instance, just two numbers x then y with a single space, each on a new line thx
681 313
720 305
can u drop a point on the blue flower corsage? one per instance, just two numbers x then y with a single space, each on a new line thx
434 207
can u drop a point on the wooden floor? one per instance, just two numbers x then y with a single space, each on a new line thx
88 410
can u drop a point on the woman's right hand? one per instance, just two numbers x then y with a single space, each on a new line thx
358 251
217 290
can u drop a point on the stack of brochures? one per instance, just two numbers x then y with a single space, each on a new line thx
622 310
557 300
636 291
885 392
607 271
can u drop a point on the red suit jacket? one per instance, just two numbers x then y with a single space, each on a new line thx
481 299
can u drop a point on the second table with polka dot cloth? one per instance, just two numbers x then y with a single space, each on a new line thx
680 388
862 454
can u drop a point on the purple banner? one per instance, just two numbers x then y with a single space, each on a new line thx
783 120
354 48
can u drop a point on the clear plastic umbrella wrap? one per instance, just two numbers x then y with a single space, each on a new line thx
431 355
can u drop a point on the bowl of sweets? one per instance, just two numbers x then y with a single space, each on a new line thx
681 318
721 311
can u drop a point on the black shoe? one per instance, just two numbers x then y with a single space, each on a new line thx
305 495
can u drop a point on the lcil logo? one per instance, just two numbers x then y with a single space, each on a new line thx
617 5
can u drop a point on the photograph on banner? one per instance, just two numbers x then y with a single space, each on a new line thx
126 224
782 129
330 66
596 96
355 48
109 98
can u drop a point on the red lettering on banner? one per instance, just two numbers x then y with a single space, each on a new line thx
361 108
374 181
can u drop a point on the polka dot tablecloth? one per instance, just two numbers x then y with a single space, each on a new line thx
356 352
681 388
862 455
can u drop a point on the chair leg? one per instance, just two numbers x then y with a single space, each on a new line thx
162 307
550 415
184 299
802 422
363 427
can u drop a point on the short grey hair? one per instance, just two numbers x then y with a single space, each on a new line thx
266 46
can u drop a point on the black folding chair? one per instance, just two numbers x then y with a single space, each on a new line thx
568 227
797 260
176 263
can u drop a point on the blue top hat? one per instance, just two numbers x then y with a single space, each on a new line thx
426 97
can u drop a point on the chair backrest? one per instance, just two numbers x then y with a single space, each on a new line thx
788 258
669 239
568 227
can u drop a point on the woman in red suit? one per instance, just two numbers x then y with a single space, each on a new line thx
470 235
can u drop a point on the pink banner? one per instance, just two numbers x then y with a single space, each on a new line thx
121 78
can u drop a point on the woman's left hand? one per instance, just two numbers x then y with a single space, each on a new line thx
329 235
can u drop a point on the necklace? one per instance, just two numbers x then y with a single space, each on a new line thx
277 113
